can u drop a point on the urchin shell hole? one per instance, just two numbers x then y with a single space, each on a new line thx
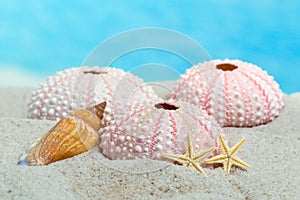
95 72
166 106
226 67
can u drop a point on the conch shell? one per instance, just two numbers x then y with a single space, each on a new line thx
73 135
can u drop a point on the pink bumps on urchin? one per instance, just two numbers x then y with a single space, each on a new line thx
84 87
236 93
153 127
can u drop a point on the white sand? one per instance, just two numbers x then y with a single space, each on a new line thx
272 150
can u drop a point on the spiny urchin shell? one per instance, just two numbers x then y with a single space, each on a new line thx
236 93
83 87
153 127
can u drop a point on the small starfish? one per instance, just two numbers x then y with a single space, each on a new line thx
228 158
190 158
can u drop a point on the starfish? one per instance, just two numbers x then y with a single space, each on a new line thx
190 158
227 157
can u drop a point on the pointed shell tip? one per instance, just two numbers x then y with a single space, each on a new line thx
23 163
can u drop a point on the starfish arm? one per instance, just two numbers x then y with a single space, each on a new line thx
200 156
227 166
236 147
238 162
189 148
198 168
179 158
224 148
217 159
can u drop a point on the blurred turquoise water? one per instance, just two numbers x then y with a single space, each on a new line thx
41 37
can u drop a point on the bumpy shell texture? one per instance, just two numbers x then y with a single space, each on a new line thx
236 93
75 134
83 87
150 128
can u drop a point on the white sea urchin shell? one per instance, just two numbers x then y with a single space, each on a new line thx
150 128
236 93
83 87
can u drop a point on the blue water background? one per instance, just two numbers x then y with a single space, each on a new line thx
43 37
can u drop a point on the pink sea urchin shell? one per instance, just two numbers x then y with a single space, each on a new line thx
150 128
83 87
236 93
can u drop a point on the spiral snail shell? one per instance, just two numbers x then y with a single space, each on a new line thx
72 135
